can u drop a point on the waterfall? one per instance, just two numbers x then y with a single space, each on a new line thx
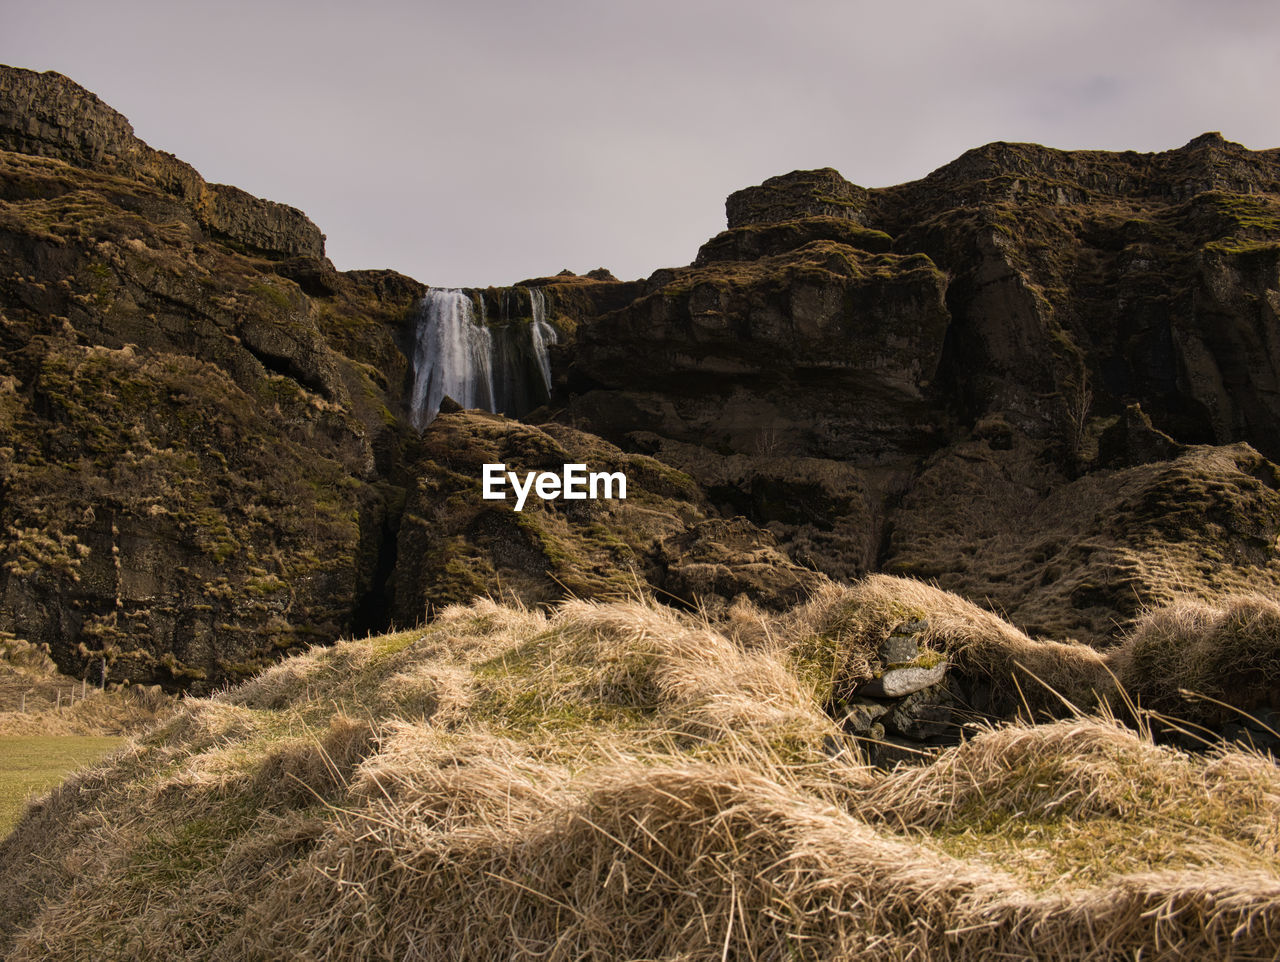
452 356
499 363
542 334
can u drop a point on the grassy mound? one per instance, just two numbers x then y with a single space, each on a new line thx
37 700
611 781
1201 662
841 627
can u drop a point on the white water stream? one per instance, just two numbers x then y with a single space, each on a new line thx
455 355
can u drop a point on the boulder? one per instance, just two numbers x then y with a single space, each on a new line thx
902 645
923 715
454 545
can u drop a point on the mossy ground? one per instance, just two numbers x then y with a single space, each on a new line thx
1083 558
549 549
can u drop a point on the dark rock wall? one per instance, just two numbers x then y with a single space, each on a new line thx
973 354
1045 379
201 434
1121 277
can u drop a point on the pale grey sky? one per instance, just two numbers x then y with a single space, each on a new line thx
483 142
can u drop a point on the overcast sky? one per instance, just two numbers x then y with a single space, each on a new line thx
484 142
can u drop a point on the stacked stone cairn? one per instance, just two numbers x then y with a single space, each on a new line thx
907 711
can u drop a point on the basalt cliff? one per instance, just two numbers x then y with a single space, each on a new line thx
1048 381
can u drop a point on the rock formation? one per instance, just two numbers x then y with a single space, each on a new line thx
1045 379
197 409
45 115
973 356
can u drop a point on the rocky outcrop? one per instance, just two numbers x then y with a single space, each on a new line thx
909 707
1132 440
261 226
827 348
1084 281
749 243
826 514
800 194
719 561
454 545
1088 312
47 115
789 371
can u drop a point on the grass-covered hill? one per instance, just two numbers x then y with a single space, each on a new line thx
619 781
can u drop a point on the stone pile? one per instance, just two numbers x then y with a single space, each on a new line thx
908 709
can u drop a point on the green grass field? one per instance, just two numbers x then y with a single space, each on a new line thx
33 763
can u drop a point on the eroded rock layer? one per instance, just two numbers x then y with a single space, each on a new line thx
1048 380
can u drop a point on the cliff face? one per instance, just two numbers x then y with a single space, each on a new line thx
454 546
1112 277
1122 278
1045 379
197 408
1022 313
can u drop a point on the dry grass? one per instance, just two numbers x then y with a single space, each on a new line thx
35 699
840 629
1086 799
1228 651
619 781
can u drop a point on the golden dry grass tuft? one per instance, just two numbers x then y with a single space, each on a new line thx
613 781
1228 651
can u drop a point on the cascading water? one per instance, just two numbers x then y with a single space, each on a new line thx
452 356
542 334
499 364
